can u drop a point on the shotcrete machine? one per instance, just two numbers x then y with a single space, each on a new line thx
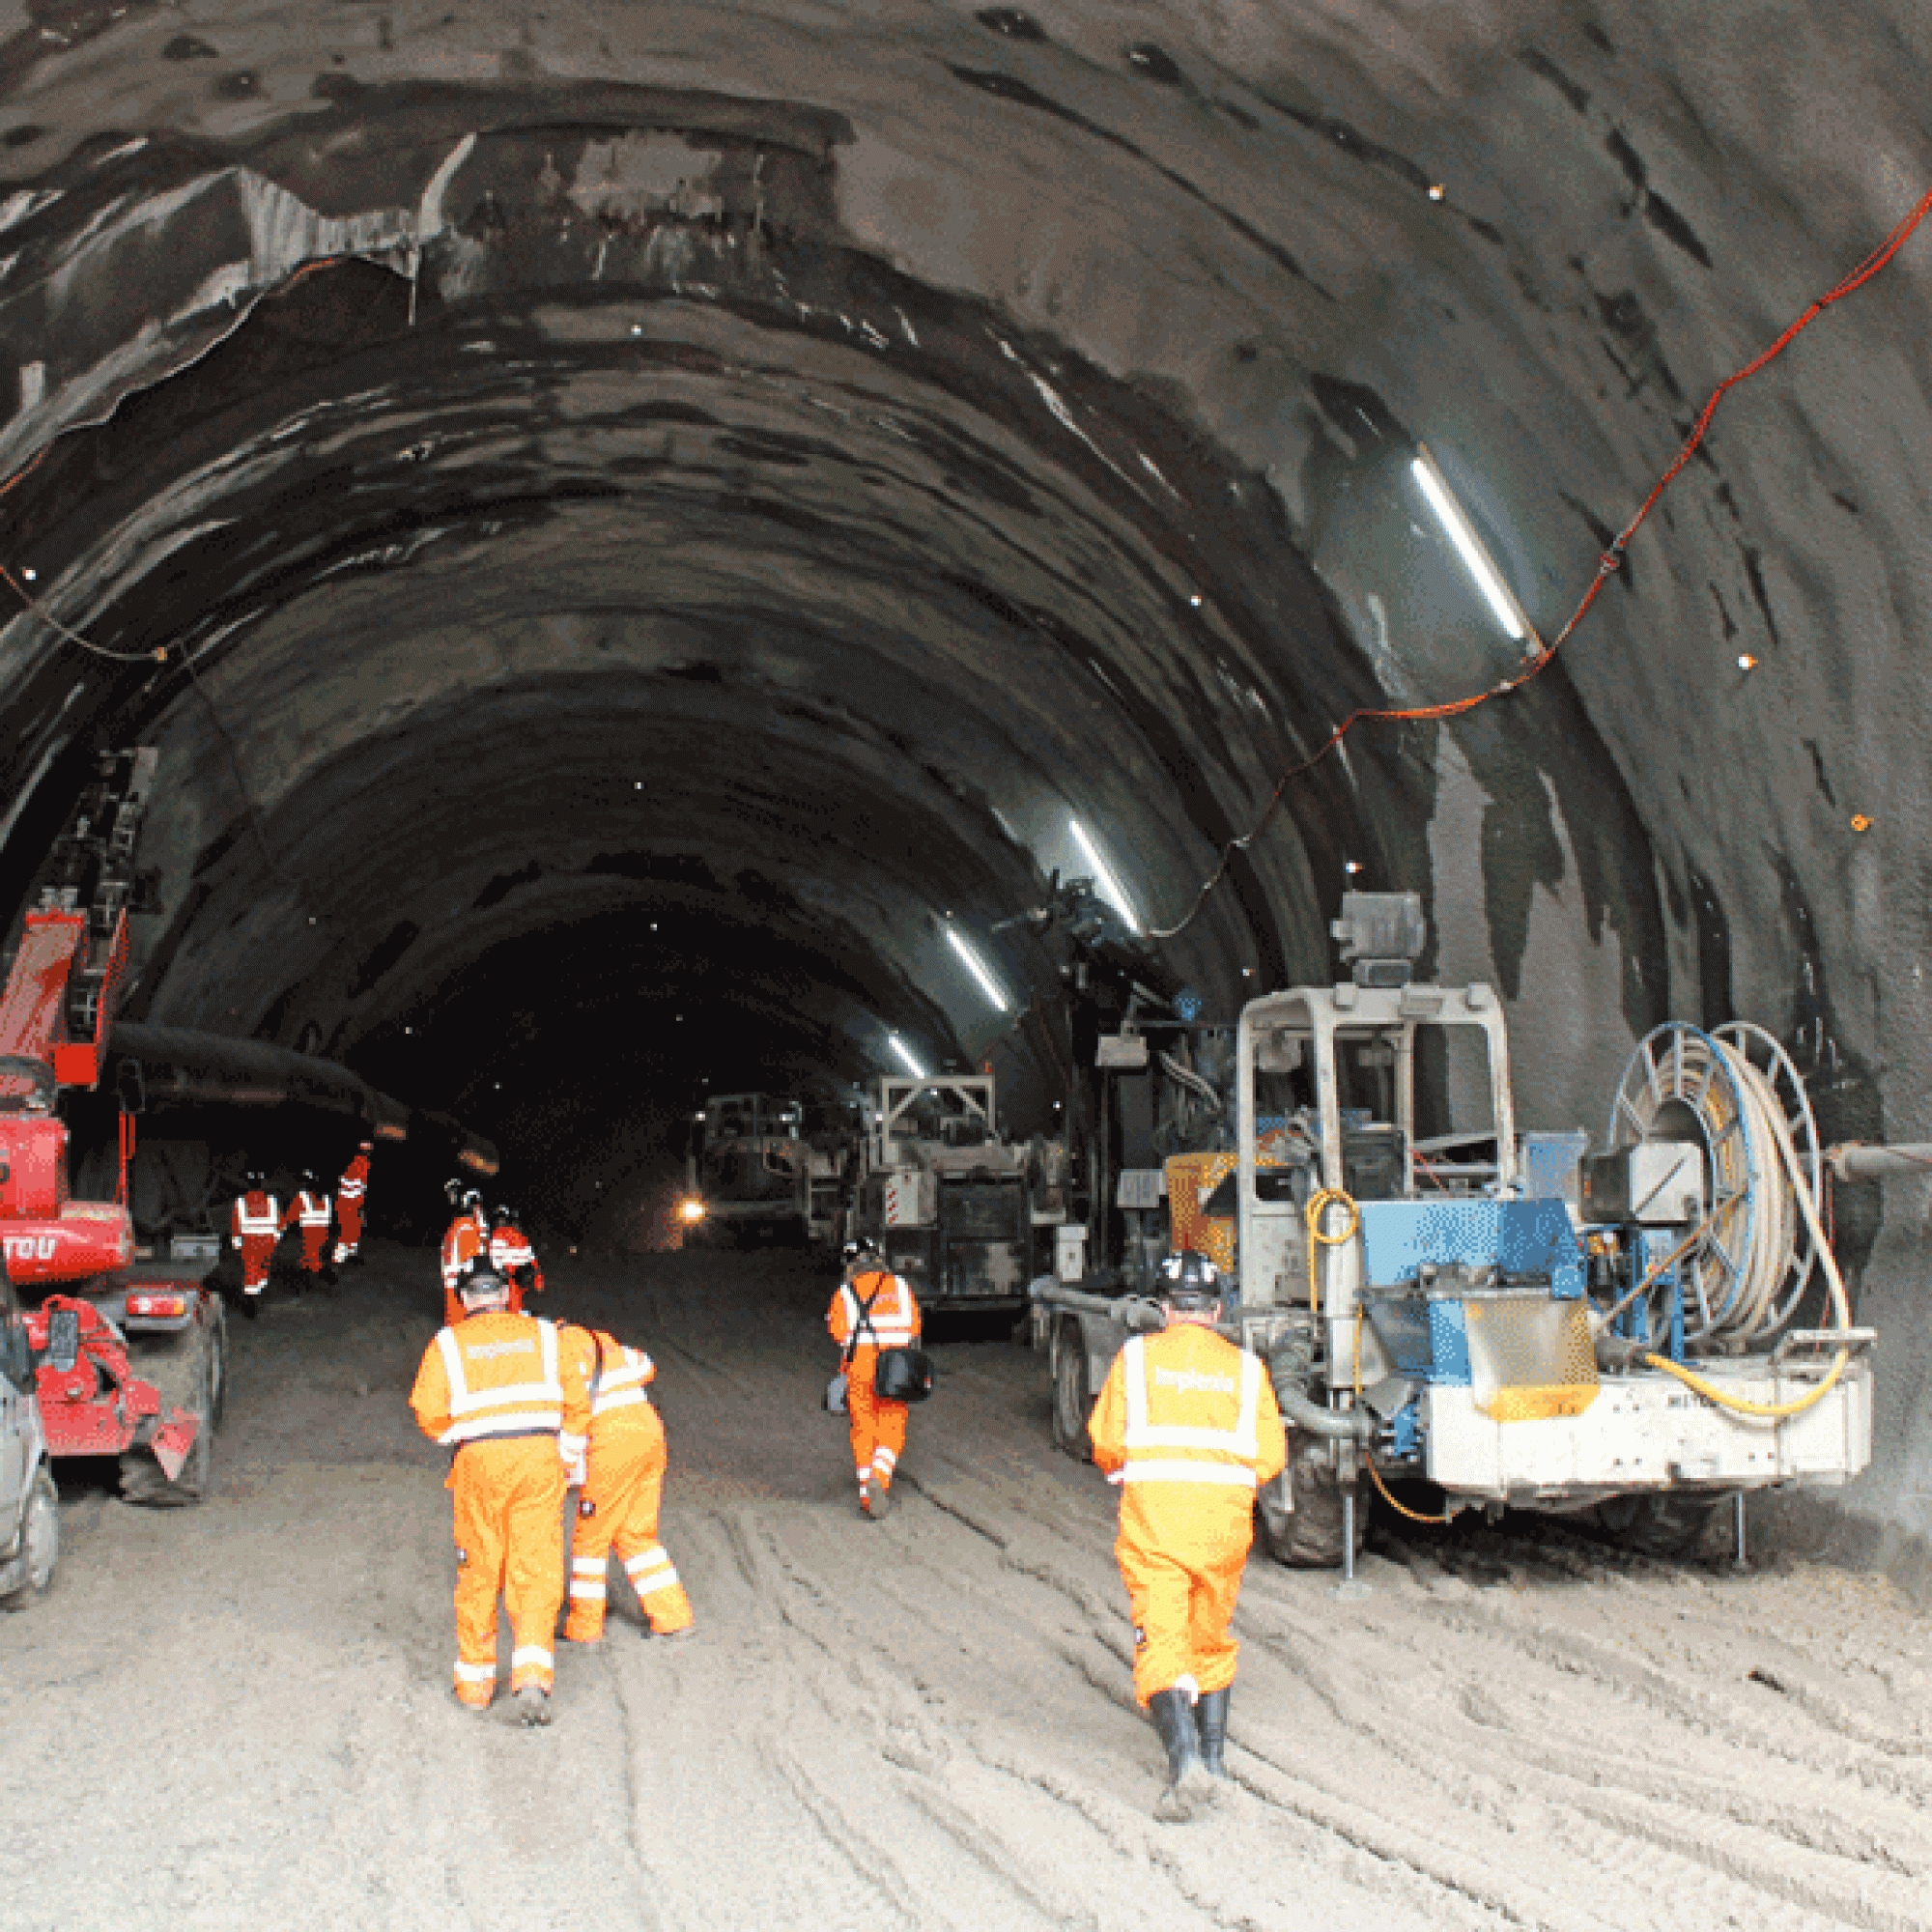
130 1361
748 1170
1641 1333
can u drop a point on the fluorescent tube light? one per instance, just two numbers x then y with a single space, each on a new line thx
977 967
908 1057
1103 875
1469 547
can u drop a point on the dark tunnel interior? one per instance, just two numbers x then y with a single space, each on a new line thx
628 526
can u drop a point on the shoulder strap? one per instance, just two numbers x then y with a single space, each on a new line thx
864 1324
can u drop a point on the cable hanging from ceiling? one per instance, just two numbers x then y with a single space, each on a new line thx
1607 565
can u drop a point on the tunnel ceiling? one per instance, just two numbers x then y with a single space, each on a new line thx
614 511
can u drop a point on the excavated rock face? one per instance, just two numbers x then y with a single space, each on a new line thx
624 521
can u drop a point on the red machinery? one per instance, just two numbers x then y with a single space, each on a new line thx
131 1362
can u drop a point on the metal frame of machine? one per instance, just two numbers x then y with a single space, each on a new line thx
720 1196
1529 1327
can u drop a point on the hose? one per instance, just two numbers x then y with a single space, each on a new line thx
1375 1474
1800 1191
1338 1425
1319 1203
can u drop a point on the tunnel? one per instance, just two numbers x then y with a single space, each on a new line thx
628 527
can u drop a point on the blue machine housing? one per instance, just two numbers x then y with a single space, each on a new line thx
1423 1327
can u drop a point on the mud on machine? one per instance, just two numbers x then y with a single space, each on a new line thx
1646 1333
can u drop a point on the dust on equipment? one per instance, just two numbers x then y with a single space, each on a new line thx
1645 1333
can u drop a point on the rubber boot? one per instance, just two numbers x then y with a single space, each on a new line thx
1210 1714
531 1705
1189 1786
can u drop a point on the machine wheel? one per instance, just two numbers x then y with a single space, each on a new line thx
40 1540
1308 1536
1072 1400
1669 1525
182 1370
217 1366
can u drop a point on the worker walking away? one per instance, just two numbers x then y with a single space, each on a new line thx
493 1392
255 1226
465 1242
622 1484
512 1256
311 1211
873 1309
350 1194
1188 1424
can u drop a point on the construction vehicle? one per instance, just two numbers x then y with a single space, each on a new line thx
1642 1334
747 1171
130 1361
29 1504
952 1206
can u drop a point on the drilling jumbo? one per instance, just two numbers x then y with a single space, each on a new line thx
1645 1334
130 1361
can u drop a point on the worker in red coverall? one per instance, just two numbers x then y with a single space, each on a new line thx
512 1256
873 1309
467 1240
311 1211
493 1392
350 1192
622 1479
1188 1425
255 1226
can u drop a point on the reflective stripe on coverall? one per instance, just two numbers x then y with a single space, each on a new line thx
349 1196
623 1487
878 1428
510 1254
310 1211
255 1226
496 1394
1188 1425
467 1238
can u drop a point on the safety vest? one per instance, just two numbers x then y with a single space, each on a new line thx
312 1208
890 1321
496 1386
620 1378
508 1249
1159 1450
461 1247
250 1219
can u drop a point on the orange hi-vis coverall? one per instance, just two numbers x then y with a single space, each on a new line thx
623 1485
312 1212
510 1254
467 1238
494 1392
255 1226
891 1322
350 1193
1188 1425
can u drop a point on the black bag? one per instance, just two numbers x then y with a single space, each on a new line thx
903 1374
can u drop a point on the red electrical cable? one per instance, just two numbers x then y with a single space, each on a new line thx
1607 565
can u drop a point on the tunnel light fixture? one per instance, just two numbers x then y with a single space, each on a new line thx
1436 191
1746 662
32 576
1497 594
1352 867
908 1059
979 969
1111 888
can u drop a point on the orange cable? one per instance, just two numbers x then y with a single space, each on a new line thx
1607 565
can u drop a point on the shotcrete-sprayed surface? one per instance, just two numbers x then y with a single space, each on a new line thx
675 506
238 1715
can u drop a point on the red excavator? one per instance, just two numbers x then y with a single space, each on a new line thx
130 1360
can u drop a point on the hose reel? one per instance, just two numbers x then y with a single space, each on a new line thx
1734 1094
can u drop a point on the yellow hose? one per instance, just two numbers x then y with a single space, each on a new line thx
1318 1204
1743 1404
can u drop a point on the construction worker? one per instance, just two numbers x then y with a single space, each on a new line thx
349 1195
493 1391
255 1226
512 1256
1188 1424
873 1309
311 1210
622 1483
467 1240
